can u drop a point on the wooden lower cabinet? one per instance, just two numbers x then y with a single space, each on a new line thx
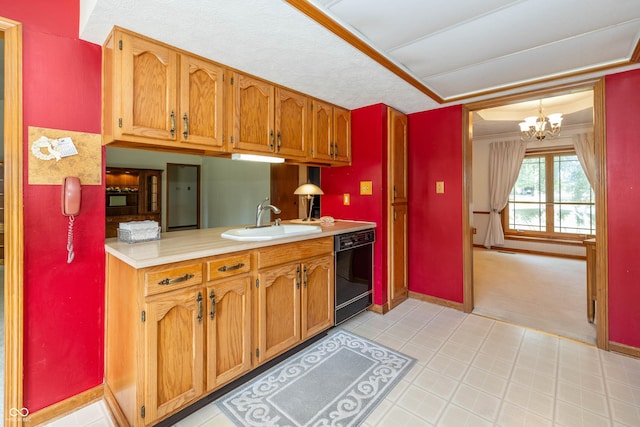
174 337
179 331
295 299
228 330
318 299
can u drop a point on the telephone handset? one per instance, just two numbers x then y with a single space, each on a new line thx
71 196
70 207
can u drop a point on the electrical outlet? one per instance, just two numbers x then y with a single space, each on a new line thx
346 199
366 188
439 187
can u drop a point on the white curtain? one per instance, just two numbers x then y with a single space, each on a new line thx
505 160
583 143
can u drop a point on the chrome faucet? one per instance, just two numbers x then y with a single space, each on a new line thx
261 208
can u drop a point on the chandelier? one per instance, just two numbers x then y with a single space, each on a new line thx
536 126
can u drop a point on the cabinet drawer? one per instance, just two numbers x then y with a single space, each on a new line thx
166 278
280 254
226 266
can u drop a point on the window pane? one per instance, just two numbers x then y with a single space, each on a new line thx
578 219
527 216
530 186
570 182
527 200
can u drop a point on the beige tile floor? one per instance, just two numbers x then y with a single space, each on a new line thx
474 371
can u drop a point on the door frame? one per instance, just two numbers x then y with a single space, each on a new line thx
14 228
599 134
168 198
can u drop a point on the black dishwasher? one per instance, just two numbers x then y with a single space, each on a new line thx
353 273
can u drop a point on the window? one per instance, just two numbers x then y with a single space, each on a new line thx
551 198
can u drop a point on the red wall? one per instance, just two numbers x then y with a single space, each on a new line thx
368 145
623 193
63 303
435 220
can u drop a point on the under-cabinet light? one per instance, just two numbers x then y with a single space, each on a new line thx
256 158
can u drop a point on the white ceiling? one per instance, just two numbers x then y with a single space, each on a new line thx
459 50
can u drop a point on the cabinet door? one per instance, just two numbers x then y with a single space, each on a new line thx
398 285
341 135
317 295
201 102
148 88
228 330
321 131
278 310
397 146
174 336
253 122
292 123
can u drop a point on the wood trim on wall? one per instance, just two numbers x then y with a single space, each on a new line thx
65 407
14 229
436 300
602 239
467 234
625 349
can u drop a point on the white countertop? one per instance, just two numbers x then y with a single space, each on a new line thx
178 246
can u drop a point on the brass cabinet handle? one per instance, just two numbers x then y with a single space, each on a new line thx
231 267
299 278
173 123
212 297
199 300
168 281
336 150
271 143
306 276
331 150
185 119
279 141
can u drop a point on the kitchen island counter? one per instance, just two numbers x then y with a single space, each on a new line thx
185 245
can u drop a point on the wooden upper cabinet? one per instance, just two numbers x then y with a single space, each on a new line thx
201 102
158 95
253 115
341 136
147 90
330 134
321 128
269 119
292 123
397 141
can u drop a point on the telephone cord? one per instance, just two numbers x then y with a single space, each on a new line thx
71 254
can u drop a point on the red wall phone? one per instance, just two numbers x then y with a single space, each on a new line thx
70 207
71 196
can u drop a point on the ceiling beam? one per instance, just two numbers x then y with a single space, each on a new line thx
635 56
318 16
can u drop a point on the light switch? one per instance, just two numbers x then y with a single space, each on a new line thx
366 188
439 187
346 199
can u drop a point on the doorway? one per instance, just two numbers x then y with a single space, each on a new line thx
600 191
183 197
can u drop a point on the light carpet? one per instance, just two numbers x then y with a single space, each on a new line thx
337 381
540 292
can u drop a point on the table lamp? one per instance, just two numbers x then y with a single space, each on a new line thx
308 190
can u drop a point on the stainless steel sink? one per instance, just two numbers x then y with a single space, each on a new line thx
270 233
